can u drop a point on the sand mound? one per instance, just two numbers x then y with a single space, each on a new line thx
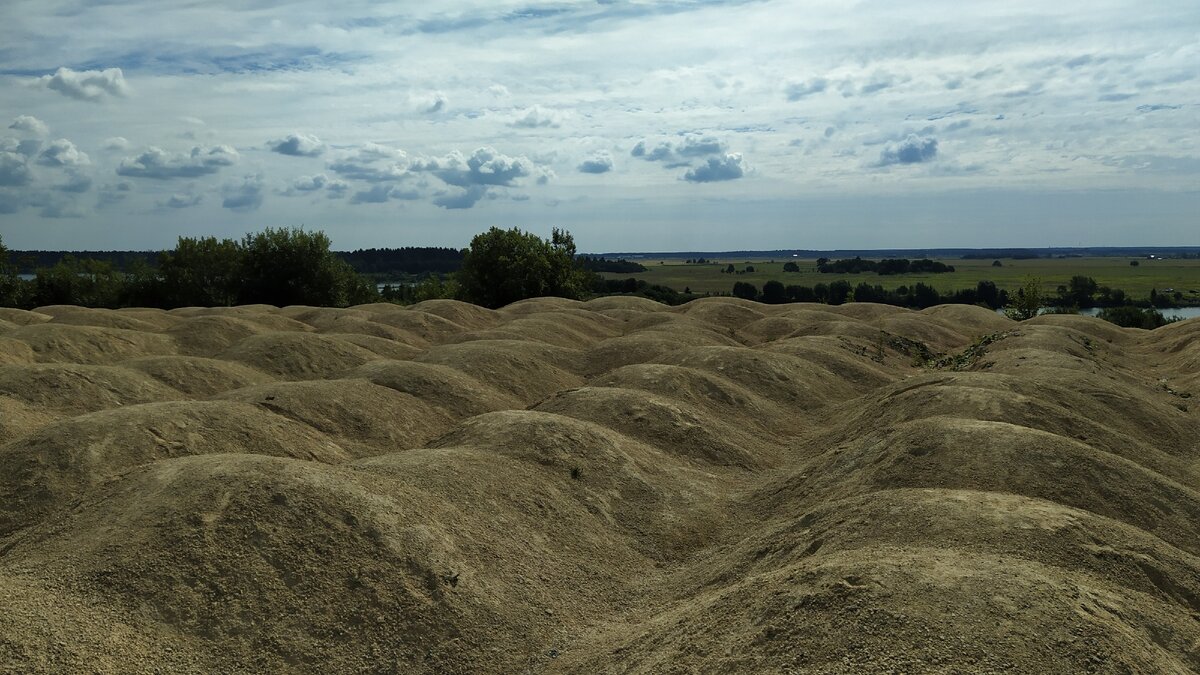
614 486
57 467
462 313
64 343
525 370
299 356
23 317
624 302
451 390
729 313
80 388
672 426
366 418
198 377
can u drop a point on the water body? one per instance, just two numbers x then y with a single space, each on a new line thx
1173 313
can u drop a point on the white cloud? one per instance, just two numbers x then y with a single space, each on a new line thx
181 200
794 91
76 183
677 153
30 125
86 85
431 103
159 164
600 162
912 150
63 153
298 145
537 117
245 196
727 167
116 143
14 170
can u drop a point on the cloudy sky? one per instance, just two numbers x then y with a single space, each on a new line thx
636 124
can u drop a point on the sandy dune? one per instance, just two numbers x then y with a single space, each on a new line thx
605 487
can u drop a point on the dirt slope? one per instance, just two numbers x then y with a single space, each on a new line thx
613 486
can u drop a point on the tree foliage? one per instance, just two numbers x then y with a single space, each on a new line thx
291 266
504 266
1027 302
1134 317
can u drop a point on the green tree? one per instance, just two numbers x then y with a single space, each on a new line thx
839 292
11 286
790 267
1028 300
201 272
774 293
291 266
74 281
1080 290
504 266
745 290
1134 317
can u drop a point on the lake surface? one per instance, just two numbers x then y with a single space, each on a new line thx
1176 312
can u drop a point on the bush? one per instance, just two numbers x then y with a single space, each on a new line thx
504 266
744 290
289 266
1134 317
1028 301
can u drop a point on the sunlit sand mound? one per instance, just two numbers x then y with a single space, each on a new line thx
18 418
624 303
859 364
719 396
81 388
299 356
57 466
15 351
529 371
462 313
637 488
356 322
428 327
728 313
969 319
675 427
451 390
956 453
912 609
365 418
23 317
611 486
259 564
536 305
196 376
801 385
107 318
66 343
642 346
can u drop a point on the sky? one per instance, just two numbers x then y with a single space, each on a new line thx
638 125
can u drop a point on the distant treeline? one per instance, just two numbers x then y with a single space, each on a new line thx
28 262
839 292
376 262
995 253
405 260
602 264
887 266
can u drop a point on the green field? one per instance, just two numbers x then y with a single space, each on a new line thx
1180 275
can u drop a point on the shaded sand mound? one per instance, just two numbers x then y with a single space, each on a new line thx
612 486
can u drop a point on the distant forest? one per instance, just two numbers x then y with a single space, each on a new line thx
374 262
